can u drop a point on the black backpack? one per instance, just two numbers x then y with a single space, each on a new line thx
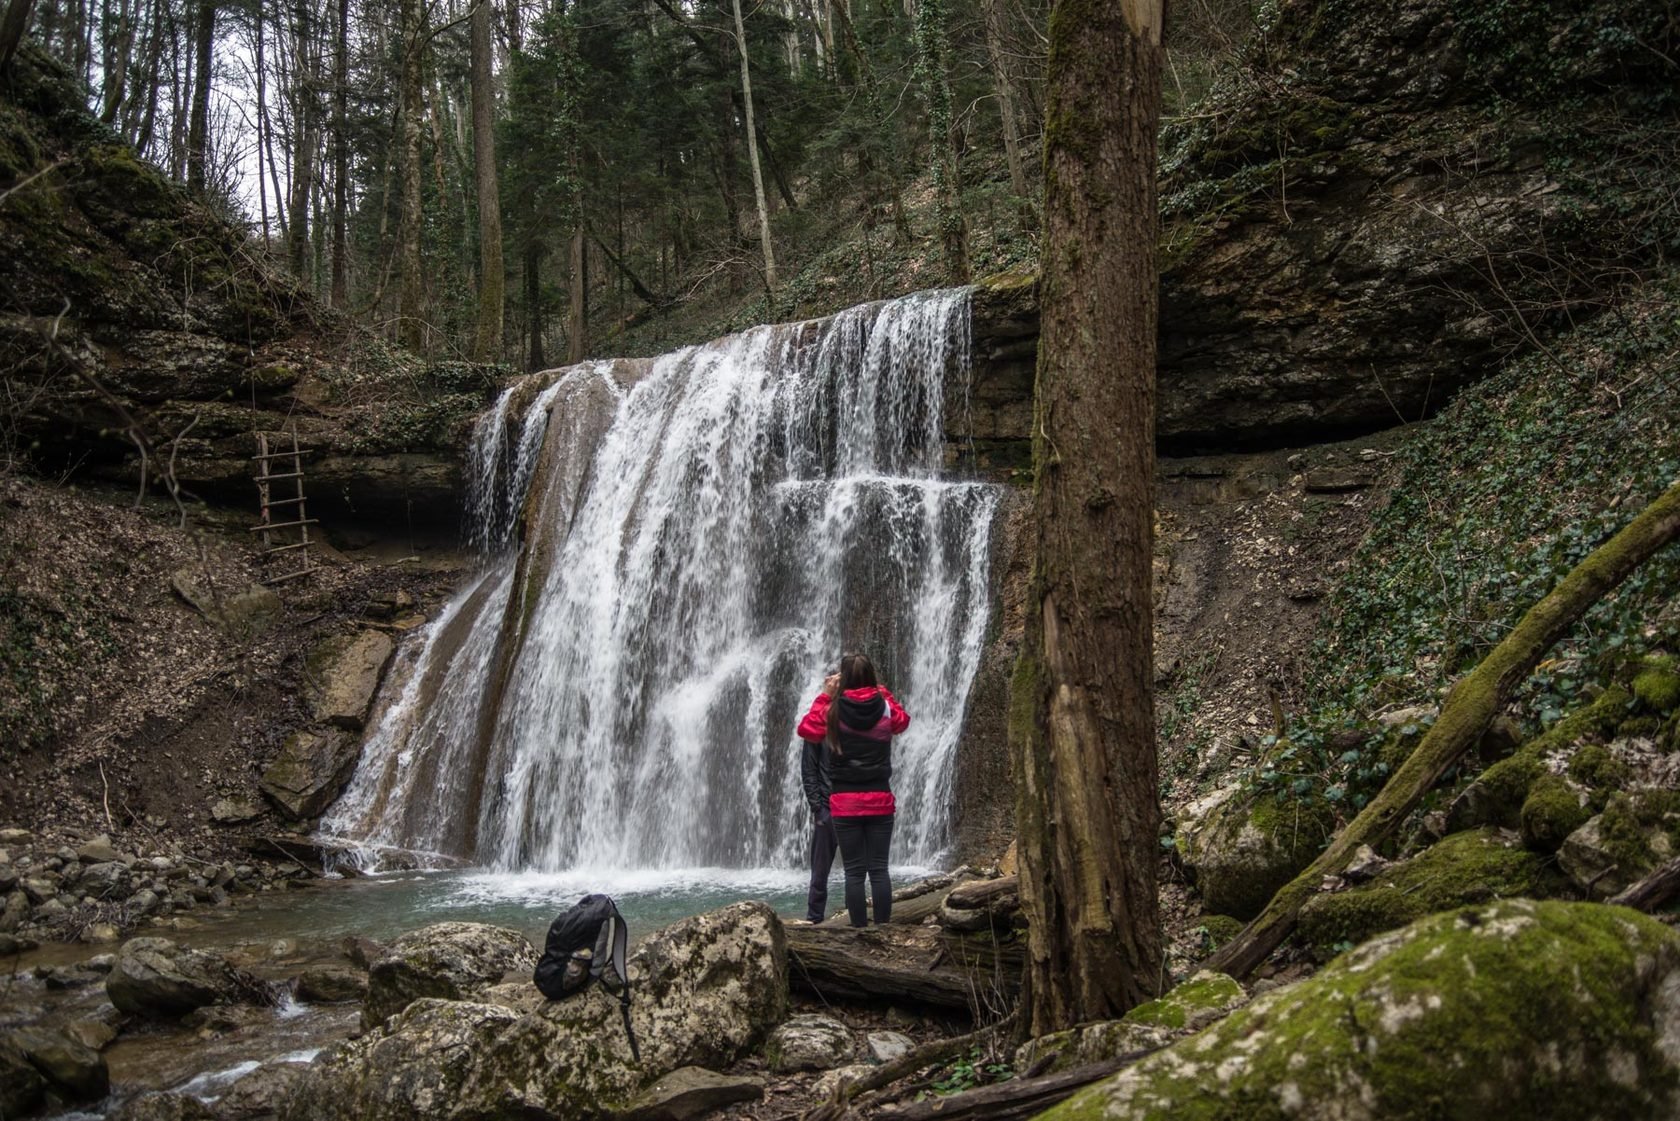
592 925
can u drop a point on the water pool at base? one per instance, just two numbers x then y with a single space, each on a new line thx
383 907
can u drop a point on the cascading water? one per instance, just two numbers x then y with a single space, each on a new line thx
703 535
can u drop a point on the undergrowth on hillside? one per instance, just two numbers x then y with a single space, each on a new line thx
1499 497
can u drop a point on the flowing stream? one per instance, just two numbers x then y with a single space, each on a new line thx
676 552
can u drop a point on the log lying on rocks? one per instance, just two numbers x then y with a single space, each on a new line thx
982 905
912 905
916 964
1654 890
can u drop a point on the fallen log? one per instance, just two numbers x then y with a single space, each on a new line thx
934 1051
1653 891
915 964
1468 710
1005 1101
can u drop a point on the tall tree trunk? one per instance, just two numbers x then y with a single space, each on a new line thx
752 153
12 26
198 132
487 340
578 327
341 159
1006 108
933 65
262 121
306 140
1082 720
116 65
411 329
534 252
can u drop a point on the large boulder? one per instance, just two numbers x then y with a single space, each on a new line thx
450 960
1516 1009
1241 849
1476 866
240 613
310 772
73 1069
707 991
21 1085
155 977
344 673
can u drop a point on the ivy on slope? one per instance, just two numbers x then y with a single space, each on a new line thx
1499 496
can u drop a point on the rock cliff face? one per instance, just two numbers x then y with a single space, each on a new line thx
1382 205
132 314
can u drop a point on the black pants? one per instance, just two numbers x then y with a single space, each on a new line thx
822 861
864 843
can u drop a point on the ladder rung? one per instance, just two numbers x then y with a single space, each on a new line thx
285 502
288 548
279 455
271 478
292 575
283 525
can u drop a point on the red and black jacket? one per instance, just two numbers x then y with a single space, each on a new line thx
860 773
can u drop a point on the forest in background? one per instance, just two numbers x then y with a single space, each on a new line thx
525 181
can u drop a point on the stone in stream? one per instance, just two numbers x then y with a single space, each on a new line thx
21 1086
810 1042
162 1106
155 977
261 1093
331 984
450 960
70 1067
707 991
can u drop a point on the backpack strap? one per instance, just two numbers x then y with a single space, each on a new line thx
618 941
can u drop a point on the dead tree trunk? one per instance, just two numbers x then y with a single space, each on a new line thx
1469 708
12 26
1082 723
341 159
487 333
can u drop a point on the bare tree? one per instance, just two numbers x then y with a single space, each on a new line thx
752 154
487 336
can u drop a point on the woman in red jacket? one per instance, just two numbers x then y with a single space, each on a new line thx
856 718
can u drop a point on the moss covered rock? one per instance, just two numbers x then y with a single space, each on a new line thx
1636 832
1657 686
1497 795
1553 810
1193 1004
1457 1015
1240 851
1470 867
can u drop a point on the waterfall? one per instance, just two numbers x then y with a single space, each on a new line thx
677 553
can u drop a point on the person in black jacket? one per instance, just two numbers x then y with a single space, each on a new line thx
813 776
853 722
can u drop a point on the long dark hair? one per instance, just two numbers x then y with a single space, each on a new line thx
856 671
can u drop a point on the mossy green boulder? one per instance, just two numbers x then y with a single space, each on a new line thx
1553 810
1470 867
1195 1003
1658 685
1241 849
1514 1009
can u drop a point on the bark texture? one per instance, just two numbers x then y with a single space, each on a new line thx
752 153
1082 726
412 327
487 337
198 129
1478 697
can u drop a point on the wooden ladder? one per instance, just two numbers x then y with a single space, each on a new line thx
299 519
